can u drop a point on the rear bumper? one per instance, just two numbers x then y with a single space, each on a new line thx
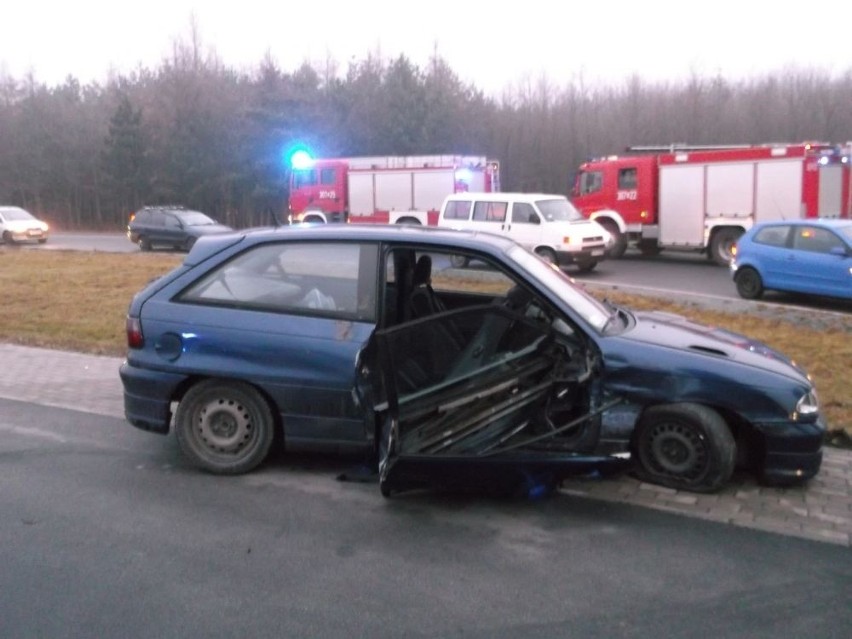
148 396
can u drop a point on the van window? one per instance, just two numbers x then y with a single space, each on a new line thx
523 213
457 210
490 211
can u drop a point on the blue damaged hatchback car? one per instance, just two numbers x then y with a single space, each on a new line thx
813 257
350 338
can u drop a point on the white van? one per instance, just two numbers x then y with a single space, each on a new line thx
547 224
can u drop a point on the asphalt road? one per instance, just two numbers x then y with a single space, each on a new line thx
107 533
667 273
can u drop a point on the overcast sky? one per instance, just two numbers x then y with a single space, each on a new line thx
494 45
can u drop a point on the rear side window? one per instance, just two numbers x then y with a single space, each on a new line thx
773 236
323 279
490 211
457 210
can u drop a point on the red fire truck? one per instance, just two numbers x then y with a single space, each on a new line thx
386 189
704 198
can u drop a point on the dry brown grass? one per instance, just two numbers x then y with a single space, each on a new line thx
78 301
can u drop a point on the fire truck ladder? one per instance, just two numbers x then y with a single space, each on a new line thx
671 148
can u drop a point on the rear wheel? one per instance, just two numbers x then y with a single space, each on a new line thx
7 238
224 427
411 221
749 283
722 245
547 254
685 446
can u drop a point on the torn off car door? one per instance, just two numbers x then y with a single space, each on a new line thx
484 395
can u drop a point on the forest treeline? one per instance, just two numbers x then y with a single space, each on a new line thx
196 132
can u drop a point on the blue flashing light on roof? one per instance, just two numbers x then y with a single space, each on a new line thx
300 158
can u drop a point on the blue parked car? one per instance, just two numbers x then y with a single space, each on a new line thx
337 338
798 256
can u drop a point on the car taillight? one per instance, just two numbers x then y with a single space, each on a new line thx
135 339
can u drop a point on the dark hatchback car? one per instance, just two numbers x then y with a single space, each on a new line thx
170 226
812 257
336 338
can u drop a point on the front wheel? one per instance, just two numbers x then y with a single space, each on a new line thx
587 266
224 427
684 446
749 283
722 245
619 239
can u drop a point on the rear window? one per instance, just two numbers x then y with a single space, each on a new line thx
457 210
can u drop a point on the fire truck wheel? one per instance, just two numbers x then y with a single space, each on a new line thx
619 239
722 245
411 221
749 284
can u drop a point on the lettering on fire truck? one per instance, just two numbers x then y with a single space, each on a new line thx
627 195
328 195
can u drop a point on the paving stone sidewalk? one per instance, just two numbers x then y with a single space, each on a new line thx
821 511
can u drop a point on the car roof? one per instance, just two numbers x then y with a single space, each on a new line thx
812 221
397 233
502 195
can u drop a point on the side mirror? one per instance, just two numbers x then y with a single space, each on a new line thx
534 219
839 251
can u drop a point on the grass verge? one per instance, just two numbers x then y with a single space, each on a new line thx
78 301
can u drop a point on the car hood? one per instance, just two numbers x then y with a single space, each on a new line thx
680 333
23 225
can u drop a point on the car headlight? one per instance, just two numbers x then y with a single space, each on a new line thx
807 405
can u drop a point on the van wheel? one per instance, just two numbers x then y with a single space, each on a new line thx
547 254
410 221
587 266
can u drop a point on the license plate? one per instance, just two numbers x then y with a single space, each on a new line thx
597 253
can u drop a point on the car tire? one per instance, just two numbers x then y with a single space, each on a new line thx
7 238
547 254
43 240
749 283
587 266
459 261
144 243
224 427
410 221
684 446
722 245
619 239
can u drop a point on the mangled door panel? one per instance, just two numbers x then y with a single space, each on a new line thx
508 390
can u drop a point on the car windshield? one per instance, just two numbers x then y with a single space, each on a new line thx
194 218
590 309
16 214
559 210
